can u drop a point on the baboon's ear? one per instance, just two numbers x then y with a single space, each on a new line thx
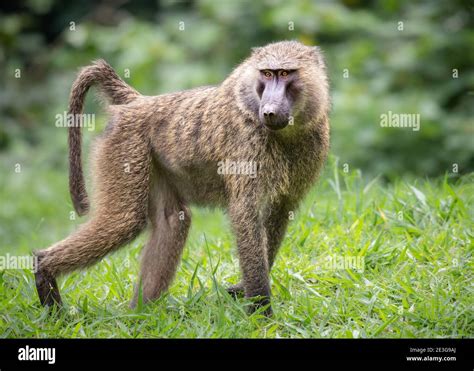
319 56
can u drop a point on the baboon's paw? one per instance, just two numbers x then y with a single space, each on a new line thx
46 285
261 302
236 291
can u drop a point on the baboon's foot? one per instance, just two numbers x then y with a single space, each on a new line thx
148 294
46 285
236 291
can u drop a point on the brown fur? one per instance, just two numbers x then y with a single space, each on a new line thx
173 143
118 92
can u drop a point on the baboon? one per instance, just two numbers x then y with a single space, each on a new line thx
159 154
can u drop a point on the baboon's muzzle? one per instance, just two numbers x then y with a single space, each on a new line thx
274 105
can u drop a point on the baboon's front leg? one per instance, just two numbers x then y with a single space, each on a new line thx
275 222
251 245
170 219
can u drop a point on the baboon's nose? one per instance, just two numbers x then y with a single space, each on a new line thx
269 113
272 118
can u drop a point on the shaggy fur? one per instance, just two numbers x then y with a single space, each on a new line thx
160 154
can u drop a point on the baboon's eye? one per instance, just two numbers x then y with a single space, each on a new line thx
283 73
267 74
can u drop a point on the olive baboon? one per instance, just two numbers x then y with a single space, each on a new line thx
160 154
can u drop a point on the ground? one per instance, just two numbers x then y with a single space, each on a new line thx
411 241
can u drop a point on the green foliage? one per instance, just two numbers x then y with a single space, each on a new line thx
403 71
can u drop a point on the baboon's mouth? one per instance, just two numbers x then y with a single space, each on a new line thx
275 122
275 126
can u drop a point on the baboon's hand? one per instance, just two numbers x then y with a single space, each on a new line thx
259 302
236 291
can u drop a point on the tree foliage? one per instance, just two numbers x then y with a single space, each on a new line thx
400 56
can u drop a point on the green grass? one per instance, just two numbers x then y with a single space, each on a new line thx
415 237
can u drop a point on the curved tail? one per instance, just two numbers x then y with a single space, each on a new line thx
100 73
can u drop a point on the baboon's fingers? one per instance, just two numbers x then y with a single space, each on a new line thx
260 302
237 290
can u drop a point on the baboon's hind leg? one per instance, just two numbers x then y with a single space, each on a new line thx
121 213
170 219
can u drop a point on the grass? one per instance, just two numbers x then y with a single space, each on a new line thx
415 238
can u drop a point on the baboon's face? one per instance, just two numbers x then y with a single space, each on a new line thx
277 89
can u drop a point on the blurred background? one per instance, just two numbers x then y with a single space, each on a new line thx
376 65
400 56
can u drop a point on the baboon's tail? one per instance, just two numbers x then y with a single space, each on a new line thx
100 73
